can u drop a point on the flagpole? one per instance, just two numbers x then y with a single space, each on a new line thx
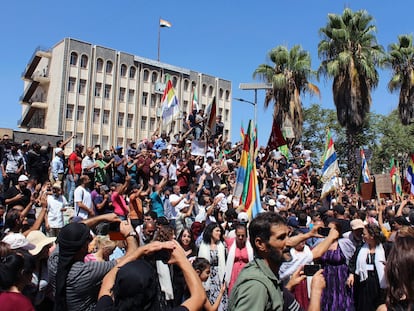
159 38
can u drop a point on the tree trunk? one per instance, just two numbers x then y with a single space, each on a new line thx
351 154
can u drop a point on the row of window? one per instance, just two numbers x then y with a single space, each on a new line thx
132 72
80 115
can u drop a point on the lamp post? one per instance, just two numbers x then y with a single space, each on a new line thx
255 87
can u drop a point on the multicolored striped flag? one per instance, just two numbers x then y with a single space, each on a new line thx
330 169
364 168
170 106
410 173
246 194
395 177
210 114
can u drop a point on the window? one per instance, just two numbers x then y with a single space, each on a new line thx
109 66
174 81
131 95
120 141
121 117
185 105
73 59
105 140
153 101
154 77
122 92
221 93
227 94
80 113
210 90
98 89
96 116
71 84
105 119
144 99
226 114
130 120
69 111
107 91
204 89
84 61
146 75
132 72
123 70
152 124
186 84
220 112
99 65
82 86
95 139
143 123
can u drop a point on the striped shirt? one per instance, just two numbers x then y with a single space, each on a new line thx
83 281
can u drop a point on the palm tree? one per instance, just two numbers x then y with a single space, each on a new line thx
289 76
350 55
400 59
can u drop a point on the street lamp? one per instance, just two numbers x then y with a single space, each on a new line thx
255 87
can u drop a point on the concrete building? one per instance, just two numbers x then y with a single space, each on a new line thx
107 97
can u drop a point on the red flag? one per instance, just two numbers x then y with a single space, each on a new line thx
276 139
210 113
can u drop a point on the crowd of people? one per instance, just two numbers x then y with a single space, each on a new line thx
156 227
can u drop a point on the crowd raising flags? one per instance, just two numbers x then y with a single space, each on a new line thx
246 196
330 169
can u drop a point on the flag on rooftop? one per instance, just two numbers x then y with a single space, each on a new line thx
164 23
410 173
170 106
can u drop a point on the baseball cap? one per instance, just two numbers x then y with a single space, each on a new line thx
57 150
357 224
18 240
271 202
243 217
23 178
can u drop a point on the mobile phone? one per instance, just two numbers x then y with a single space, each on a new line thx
324 231
113 232
310 270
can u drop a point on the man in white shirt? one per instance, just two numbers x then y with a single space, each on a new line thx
83 199
88 165
56 205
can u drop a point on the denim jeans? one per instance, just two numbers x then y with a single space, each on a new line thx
71 186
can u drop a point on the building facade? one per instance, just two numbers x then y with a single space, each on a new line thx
107 97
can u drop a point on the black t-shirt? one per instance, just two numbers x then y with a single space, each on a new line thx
105 303
12 192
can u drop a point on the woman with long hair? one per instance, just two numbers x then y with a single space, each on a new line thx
399 273
213 249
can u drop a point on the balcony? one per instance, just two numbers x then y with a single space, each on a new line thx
29 91
29 113
34 61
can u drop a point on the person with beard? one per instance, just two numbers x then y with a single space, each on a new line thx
83 199
258 286
18 194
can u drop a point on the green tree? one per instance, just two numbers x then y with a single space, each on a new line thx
400 59
289 76
350 54
393 142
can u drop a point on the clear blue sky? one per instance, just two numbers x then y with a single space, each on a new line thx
228 39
